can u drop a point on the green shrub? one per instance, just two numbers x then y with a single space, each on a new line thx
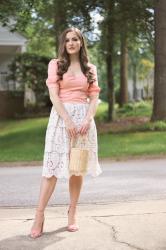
30 70
154 126
101 114
142 108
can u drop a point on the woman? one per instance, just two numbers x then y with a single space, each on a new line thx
71 81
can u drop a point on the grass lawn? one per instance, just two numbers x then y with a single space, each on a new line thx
132 144
23 140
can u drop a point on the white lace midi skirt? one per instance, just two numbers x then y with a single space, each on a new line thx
57 143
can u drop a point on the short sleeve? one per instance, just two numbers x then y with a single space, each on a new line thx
93 87
52 78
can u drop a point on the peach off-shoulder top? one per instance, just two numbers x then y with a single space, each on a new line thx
72 88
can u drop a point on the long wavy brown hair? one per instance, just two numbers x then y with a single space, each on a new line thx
64 59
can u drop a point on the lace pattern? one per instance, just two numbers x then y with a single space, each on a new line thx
57 143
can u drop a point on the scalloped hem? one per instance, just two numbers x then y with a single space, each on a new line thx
68 176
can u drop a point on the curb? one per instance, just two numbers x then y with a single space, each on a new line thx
123 158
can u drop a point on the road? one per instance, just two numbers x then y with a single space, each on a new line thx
128 180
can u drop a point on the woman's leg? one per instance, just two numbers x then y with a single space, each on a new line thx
46 189
75 184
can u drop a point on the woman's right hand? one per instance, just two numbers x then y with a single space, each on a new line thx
71 127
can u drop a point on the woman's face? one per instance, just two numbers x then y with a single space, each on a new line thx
72 43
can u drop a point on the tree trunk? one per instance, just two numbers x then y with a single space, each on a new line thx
60 21
109 45
134 81
123 70
159 105
110 83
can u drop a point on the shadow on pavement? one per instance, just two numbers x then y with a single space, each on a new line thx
26 242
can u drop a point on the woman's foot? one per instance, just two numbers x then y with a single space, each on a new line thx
37 228
72 226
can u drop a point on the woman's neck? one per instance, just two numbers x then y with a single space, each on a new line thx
74 58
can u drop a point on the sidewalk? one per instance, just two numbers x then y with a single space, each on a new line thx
136 225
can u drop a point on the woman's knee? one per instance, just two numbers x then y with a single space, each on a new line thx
50 179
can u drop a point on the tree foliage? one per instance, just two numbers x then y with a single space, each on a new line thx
30 70
16 14
42 22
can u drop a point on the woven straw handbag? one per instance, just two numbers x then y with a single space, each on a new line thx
78 156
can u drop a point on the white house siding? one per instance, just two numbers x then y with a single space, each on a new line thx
144 88
10 44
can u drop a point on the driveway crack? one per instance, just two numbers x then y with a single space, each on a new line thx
114 234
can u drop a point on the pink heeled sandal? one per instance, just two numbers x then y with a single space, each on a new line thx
37 232
72 227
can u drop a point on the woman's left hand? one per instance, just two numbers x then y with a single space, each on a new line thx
84 126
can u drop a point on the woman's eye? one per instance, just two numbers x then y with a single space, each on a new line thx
73 39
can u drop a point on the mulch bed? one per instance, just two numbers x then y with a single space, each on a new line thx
120 125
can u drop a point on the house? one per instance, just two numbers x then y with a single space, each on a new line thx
11 97
142 89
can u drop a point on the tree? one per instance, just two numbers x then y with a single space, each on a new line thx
29 71
123 70
15 13
133 21
54 14
123 22
107 27
50 18
159 106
